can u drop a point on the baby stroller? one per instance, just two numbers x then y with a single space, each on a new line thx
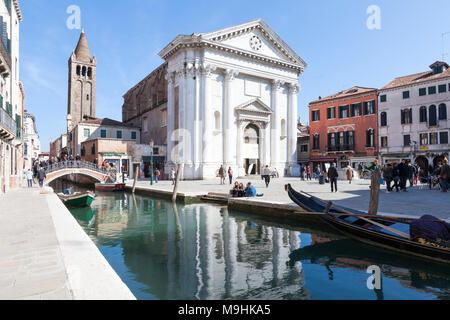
433 181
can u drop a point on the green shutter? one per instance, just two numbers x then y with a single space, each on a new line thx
9 109
1 101
18 125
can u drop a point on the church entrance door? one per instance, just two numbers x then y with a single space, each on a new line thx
251 150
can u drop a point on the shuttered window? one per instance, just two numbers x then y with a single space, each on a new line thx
443 111
383 119
423 114
432 116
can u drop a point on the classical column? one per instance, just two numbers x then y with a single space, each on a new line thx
275 124
228 117
197 119
292 127
207 116
170 116
239 142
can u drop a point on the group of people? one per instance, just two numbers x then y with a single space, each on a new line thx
266 174
308 173
239 191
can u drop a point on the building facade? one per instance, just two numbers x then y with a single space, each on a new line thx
344 128
32 144
303 145
58 148
413 117
11 97
231 100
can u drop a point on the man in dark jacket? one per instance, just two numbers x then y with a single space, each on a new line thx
387 176
333 176
395 177
403 170
41 175
444 175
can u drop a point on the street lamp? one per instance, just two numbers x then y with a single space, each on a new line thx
151 161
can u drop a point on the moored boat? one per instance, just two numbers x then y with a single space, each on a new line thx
77 199
390 233
115 186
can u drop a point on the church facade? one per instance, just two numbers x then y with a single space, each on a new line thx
231 100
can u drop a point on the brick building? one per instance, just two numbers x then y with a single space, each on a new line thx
343 128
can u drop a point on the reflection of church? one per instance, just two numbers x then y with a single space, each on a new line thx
231 99
196 253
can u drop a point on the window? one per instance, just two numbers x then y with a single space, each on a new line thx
442 111
443 137
423 139
406 140
369 107
384 142
405 94
383 119
316 142
343 112
370 138
93 149
87 133
133 135
119 134
432 90
83 151
406 116
315 115
304 148
145 124
331 113
423 114
103 133
383 98
442 88
432 116
355 110
164 118
156 151
433 138
422 92
331 140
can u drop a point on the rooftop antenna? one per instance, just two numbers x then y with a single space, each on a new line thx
444 54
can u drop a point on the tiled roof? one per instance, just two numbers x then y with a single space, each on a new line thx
416 78
345 93
106 122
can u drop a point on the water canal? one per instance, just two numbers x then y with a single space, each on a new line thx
203 251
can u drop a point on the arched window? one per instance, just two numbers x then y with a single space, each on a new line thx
251 134
217 120
83 72
442 111
78 70
383 120
283 128
433 116
89 73
423 114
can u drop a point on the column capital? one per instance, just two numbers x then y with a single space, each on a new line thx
277 85
170 77
207 69
294 88
230 74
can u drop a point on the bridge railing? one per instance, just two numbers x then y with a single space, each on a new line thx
80 164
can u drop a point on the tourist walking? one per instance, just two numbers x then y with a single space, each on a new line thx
230 175
411 174
387 176
29 175
222 174
172 176
404 174
350 174
444 175
395 177
302 172
41 176
333 176
157 174
266 174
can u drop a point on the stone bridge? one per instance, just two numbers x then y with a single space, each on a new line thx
84 168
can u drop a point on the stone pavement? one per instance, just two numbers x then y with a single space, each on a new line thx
46 255
418 201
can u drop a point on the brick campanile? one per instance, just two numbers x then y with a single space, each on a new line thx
82 83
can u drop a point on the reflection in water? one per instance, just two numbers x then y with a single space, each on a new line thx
166 251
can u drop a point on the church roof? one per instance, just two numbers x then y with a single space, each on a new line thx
82 51
105 122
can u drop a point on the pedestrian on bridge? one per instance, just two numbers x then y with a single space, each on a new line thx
41 176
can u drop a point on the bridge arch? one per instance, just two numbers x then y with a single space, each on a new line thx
83 168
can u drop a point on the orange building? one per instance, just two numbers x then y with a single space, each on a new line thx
343 128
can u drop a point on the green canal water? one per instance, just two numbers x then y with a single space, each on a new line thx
203 251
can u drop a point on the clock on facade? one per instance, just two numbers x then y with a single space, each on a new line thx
255 43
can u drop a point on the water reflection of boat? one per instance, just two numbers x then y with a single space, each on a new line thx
380 231
77 199
115 187
83 214
346 253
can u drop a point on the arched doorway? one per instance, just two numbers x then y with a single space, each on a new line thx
251 150
422 162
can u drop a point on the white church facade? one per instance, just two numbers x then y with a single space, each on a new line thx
231 100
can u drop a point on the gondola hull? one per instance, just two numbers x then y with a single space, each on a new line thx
362 231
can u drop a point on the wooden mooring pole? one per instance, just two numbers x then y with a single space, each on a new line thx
136 174
374 192
175 188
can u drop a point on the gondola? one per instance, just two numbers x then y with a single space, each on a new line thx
384 232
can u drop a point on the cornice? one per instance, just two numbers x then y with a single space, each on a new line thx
18 11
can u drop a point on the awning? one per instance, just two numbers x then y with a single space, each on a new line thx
322 160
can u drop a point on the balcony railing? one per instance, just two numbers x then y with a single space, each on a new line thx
344 147
7 122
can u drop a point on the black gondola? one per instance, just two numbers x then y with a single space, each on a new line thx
381 231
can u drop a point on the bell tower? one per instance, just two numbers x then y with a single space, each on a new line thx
82 83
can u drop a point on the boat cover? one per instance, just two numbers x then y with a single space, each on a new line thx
430 228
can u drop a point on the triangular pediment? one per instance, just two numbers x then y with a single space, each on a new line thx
255 106
258 38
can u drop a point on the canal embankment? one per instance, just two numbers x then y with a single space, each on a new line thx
46 255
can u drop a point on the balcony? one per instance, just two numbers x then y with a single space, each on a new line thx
341 148
8 127
5 60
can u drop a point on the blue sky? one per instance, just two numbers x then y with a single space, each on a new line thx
126 36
